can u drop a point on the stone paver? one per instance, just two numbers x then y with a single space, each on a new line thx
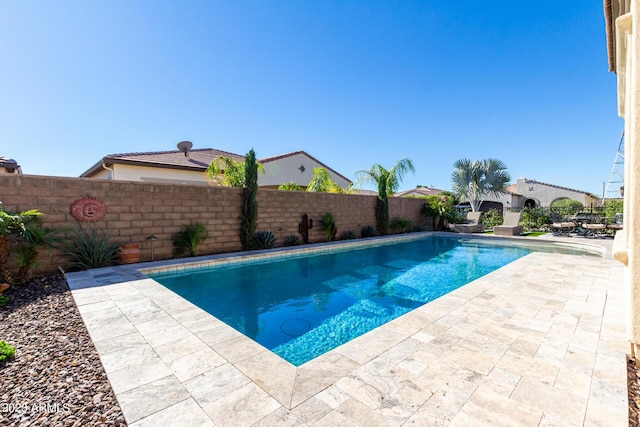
538 342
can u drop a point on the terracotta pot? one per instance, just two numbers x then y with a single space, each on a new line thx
130 253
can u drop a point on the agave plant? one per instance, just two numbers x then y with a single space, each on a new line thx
189 239
263 239
348 235
368 231
291 240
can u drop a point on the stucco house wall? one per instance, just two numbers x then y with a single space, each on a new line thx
298 168
623 37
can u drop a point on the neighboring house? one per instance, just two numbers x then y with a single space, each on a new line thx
419 191
9 166
532 193
298 167
175 167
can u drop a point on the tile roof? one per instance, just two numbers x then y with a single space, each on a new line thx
419 191
199 159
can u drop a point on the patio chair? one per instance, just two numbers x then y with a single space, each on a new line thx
595 227
473 224
509 225
561 227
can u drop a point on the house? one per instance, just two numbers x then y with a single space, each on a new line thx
419 191
531 193
178 167
622 18
9 166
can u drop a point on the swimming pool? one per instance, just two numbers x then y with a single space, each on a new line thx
302 306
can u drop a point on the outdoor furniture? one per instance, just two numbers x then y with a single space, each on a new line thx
509 225
563 228
472 225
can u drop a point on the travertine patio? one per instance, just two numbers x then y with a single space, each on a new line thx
539 342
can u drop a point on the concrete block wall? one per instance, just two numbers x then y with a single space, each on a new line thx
136 210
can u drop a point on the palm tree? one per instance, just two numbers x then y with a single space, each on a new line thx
388 182
474 180
12 224
321 182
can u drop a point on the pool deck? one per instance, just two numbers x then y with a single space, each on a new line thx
539 342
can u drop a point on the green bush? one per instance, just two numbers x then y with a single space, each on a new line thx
291 240
569 206
348 235
263 239
491 218
91 249
535 218
7 352
368 231
189 239
4 300
612 207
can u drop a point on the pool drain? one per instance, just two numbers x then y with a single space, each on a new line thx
295 327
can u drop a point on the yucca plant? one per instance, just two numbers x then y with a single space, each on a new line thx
263 239
291 240
401 224
329 226
189 239
91 249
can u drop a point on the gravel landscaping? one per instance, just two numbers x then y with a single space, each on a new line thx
56 377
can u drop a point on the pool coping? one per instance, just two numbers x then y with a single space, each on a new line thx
121 301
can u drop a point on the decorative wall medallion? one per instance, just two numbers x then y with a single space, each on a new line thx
302 168
88 209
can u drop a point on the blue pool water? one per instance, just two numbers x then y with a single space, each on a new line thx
302 307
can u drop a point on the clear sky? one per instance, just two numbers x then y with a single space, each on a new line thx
352 83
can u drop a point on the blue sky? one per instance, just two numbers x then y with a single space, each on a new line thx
353 83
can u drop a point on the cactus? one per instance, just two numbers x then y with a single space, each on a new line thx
304 227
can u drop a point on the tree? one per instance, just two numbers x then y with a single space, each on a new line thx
249 214
388 182
228 172
12 224
290 186
474 181
321 182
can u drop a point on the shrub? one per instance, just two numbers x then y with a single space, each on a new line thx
263 239
401 224
569 206
4 300
535 218
329 226
189 239
7 352
348 235
368 231
91 249
491 218
291 240
249 212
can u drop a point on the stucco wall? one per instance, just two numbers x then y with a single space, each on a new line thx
136 210
288 169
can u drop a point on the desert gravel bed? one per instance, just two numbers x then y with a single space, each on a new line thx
56 378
